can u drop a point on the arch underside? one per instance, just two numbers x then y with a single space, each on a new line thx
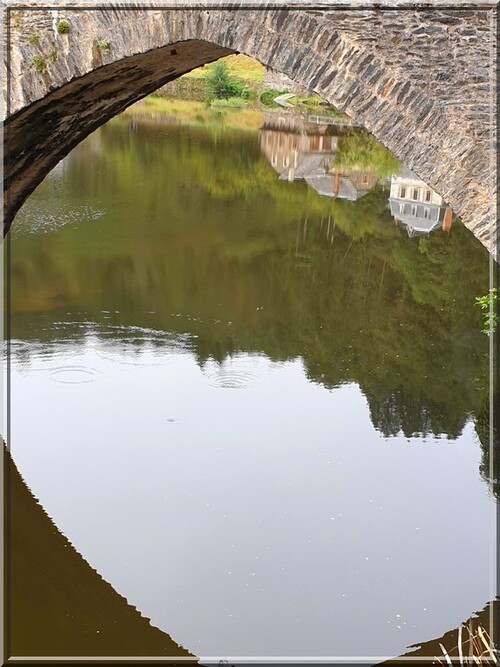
384 69
54 125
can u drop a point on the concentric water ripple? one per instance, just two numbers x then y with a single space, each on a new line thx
73 374
232 374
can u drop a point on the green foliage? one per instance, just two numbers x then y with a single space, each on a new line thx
308 101
360 149
39 63
315 104
156 95
33 38
104 46
245 68
334 282
237 102
488 304
62 27
328 110
220 84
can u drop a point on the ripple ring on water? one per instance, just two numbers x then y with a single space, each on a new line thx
73 374
229 379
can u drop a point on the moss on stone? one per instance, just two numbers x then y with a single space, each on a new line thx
62 27
104 45
39 63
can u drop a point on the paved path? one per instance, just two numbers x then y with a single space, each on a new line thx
282 100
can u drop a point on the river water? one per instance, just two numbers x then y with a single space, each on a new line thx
251 407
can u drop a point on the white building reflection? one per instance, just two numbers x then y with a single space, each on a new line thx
303 147
417 206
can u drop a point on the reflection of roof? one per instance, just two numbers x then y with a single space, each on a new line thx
406 173
324 185
413 215
309 164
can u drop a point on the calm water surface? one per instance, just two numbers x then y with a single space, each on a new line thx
249 406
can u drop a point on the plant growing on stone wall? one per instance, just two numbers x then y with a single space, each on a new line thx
104 46
39 63
62 27
15 20
33 38
487 303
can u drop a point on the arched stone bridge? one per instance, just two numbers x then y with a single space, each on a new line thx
419 79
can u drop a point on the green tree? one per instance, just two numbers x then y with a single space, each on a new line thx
221 84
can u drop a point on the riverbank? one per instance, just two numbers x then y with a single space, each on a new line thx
258 87
158 109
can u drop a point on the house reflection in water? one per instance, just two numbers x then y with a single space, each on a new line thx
348 184
417 206
300 148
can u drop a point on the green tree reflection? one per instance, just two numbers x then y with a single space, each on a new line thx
198 236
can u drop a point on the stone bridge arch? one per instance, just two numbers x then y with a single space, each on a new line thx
419 79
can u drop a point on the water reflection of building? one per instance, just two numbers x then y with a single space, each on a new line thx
298 152
300 147
417 206
350 184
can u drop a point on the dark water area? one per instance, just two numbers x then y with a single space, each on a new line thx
247 395
59 605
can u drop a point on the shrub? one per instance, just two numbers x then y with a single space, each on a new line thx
104 45
39 63
33 38
221 85
62 26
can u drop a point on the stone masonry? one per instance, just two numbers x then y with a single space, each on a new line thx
420 79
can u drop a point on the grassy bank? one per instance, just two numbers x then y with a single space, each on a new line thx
193 85
246 76
156 108
245 68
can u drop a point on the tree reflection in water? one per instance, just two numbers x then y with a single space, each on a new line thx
330 280
336 281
